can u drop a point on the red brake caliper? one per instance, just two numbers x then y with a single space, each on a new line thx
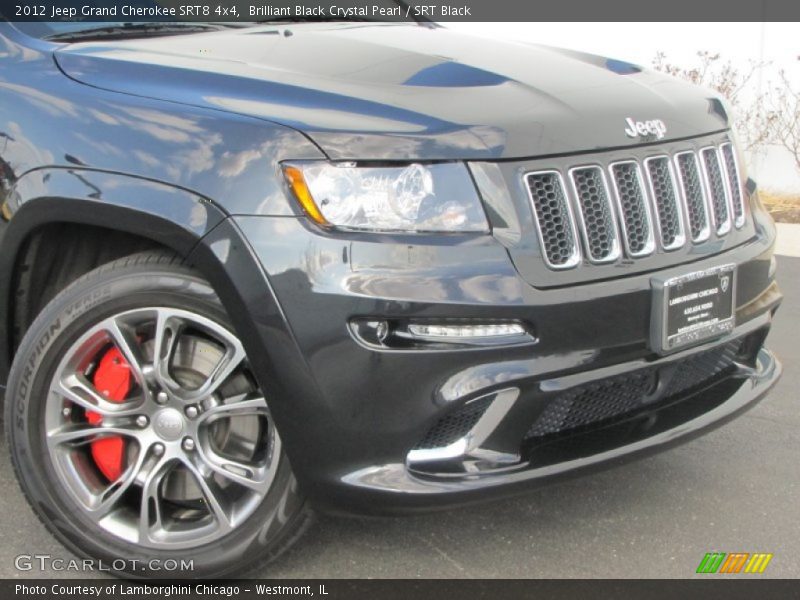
113 380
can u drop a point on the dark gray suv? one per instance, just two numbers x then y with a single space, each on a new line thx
370 267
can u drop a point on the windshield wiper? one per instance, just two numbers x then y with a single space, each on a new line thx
128 30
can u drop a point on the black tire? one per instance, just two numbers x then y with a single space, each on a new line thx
146 279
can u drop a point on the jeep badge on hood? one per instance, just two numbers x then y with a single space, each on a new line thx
654 127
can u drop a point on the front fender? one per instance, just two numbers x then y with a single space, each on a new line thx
168 215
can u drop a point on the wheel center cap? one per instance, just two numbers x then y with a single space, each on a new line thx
168 424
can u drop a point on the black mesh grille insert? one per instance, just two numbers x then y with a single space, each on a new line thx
595 207
693 372
623 394
594 402
733 180
454 426
665 197
552 213
716 186
693 192
638 232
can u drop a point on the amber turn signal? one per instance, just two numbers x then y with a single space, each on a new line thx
297 183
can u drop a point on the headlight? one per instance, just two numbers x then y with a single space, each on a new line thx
436 198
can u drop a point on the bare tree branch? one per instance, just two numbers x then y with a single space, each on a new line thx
754 121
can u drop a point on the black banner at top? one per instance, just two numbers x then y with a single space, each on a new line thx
399 10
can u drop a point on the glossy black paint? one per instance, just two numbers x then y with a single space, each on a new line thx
180 141
366 411
400 91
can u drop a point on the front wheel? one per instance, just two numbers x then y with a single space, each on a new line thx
139 433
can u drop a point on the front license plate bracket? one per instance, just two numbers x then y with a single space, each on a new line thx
693 308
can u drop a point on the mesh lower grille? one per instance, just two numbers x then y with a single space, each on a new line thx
454 426
702 367
595 207
635 216
693 192
716 186
732 173
624 394
593 403
552 214
665 198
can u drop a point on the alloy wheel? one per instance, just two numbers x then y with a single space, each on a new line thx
195 448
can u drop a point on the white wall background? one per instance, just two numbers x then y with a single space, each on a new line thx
777 43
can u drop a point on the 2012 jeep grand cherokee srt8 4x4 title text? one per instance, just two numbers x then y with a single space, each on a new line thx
365 267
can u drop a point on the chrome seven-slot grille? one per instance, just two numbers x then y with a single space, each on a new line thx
635 208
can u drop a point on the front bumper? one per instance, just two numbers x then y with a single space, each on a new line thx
647 432
351 415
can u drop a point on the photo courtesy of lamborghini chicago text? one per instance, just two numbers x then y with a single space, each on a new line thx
370 298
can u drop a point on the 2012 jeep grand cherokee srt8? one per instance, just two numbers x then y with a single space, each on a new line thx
363 267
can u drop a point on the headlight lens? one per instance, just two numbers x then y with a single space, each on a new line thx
415 198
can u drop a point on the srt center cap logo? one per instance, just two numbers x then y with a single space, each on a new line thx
168 424
655 127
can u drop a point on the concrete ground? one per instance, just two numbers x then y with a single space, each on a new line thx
735 489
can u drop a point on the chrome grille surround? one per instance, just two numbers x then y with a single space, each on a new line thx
694 194
662 185
558 236
717 190
596 213
634 207
734 182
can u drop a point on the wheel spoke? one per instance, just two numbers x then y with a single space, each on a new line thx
150 516
78 435
234 355
238 406
129 348
108 499
78 390
165 340
254 477
213 495
169 326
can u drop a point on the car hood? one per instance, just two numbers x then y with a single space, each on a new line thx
402 91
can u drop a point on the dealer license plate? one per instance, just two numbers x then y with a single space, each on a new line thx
693 308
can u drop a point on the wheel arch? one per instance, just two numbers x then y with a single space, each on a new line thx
105 214
172 218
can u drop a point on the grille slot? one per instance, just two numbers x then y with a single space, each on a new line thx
717 189
664 190
597 217
734 182
692 187
621 395
554 220
635 212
